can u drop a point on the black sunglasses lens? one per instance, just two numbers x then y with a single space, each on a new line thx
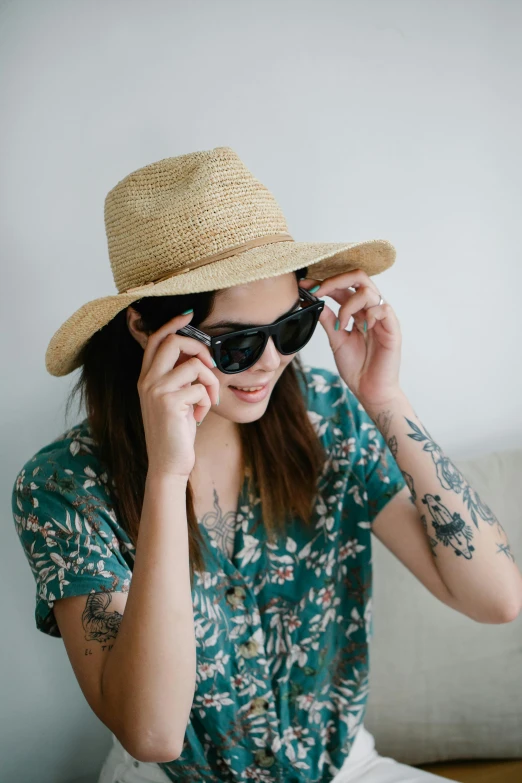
296 332
238 353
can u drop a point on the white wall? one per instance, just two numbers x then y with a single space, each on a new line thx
397 120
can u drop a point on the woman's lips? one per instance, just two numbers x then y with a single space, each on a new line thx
255 396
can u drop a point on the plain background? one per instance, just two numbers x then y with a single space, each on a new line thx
396 120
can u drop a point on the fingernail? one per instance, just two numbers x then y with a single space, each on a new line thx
188 311
314 289
365 326
337 325
213 362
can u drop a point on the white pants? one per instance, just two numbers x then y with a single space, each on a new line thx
363 765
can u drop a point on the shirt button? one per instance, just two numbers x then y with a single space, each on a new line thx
136 763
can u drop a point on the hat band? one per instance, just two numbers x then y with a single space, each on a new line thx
228 253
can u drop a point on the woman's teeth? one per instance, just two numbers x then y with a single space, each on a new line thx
248 388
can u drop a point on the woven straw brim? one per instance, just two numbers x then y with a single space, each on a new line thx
322 259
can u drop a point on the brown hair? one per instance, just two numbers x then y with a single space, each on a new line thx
280 451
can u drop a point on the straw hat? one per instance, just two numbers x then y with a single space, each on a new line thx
198 222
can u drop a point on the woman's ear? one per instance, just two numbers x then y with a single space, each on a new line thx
135 326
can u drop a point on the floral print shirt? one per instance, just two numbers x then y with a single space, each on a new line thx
282 630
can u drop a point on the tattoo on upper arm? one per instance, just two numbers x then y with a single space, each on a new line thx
99 624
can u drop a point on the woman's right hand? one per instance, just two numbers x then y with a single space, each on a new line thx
170 403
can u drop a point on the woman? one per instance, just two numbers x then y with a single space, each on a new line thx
229 641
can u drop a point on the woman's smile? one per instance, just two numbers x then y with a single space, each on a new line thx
257 395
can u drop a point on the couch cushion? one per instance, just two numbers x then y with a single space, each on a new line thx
443 686
478 771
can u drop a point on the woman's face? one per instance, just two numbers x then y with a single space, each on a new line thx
259 303
252 304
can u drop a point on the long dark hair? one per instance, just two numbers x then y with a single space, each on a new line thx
281 452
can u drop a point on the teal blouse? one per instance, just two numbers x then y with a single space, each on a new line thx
282 630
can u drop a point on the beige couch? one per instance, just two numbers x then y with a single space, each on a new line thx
446 691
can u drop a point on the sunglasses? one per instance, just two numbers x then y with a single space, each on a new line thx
237 351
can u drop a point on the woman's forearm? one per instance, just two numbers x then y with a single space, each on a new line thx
149 678
470 547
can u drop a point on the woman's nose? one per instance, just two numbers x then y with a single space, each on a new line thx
270 359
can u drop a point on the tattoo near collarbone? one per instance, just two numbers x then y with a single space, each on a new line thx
221 526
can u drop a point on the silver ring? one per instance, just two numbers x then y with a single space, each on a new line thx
351 288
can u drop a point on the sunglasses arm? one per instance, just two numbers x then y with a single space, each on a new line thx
191 331
307 296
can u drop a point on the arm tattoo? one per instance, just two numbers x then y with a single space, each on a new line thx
451 478
383 421
450 529
409 481
99 624
507 551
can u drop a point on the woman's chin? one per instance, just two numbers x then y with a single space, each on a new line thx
243 413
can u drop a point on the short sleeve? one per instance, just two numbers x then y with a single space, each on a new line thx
353 441
382 476
67 531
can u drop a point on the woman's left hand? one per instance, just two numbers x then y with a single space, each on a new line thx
367 362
